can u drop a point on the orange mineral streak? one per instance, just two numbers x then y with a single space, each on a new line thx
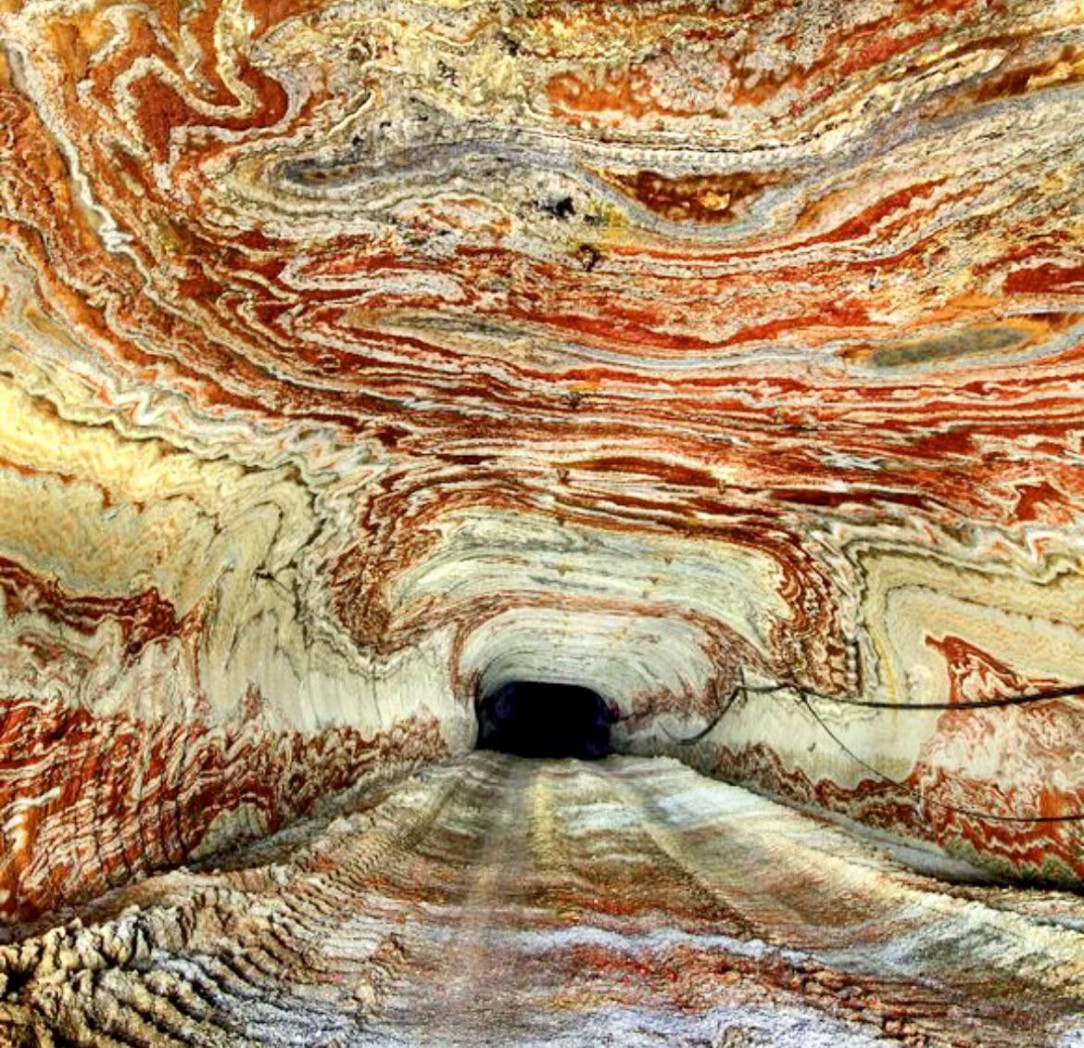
757 322
125 797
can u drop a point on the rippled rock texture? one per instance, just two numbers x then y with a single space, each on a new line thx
359 360
504 901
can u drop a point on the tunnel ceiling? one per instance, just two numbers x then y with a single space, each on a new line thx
723 359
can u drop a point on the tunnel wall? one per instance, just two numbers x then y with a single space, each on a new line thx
162 694
351 363
982 771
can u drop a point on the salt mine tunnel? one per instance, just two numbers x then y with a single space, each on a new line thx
541 522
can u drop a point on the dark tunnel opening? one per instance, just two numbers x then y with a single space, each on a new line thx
540 719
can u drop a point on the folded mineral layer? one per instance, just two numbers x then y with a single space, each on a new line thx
696 379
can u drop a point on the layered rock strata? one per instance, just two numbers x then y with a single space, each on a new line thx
357 358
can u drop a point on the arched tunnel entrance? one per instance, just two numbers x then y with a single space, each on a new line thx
543 719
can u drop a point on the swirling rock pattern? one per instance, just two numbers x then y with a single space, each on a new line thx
724 358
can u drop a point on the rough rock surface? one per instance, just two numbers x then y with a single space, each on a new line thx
504 901
360 358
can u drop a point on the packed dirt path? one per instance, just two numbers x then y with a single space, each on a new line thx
501 901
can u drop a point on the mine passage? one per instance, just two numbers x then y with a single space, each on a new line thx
541 719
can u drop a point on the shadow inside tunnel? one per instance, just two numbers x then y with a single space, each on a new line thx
543 719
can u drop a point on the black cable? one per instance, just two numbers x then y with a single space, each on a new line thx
689 740
806 694
972 812
1070 691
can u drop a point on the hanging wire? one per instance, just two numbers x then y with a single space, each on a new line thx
1048 695
907 788
806 695
738 689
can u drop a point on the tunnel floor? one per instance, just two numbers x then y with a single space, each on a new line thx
502 901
